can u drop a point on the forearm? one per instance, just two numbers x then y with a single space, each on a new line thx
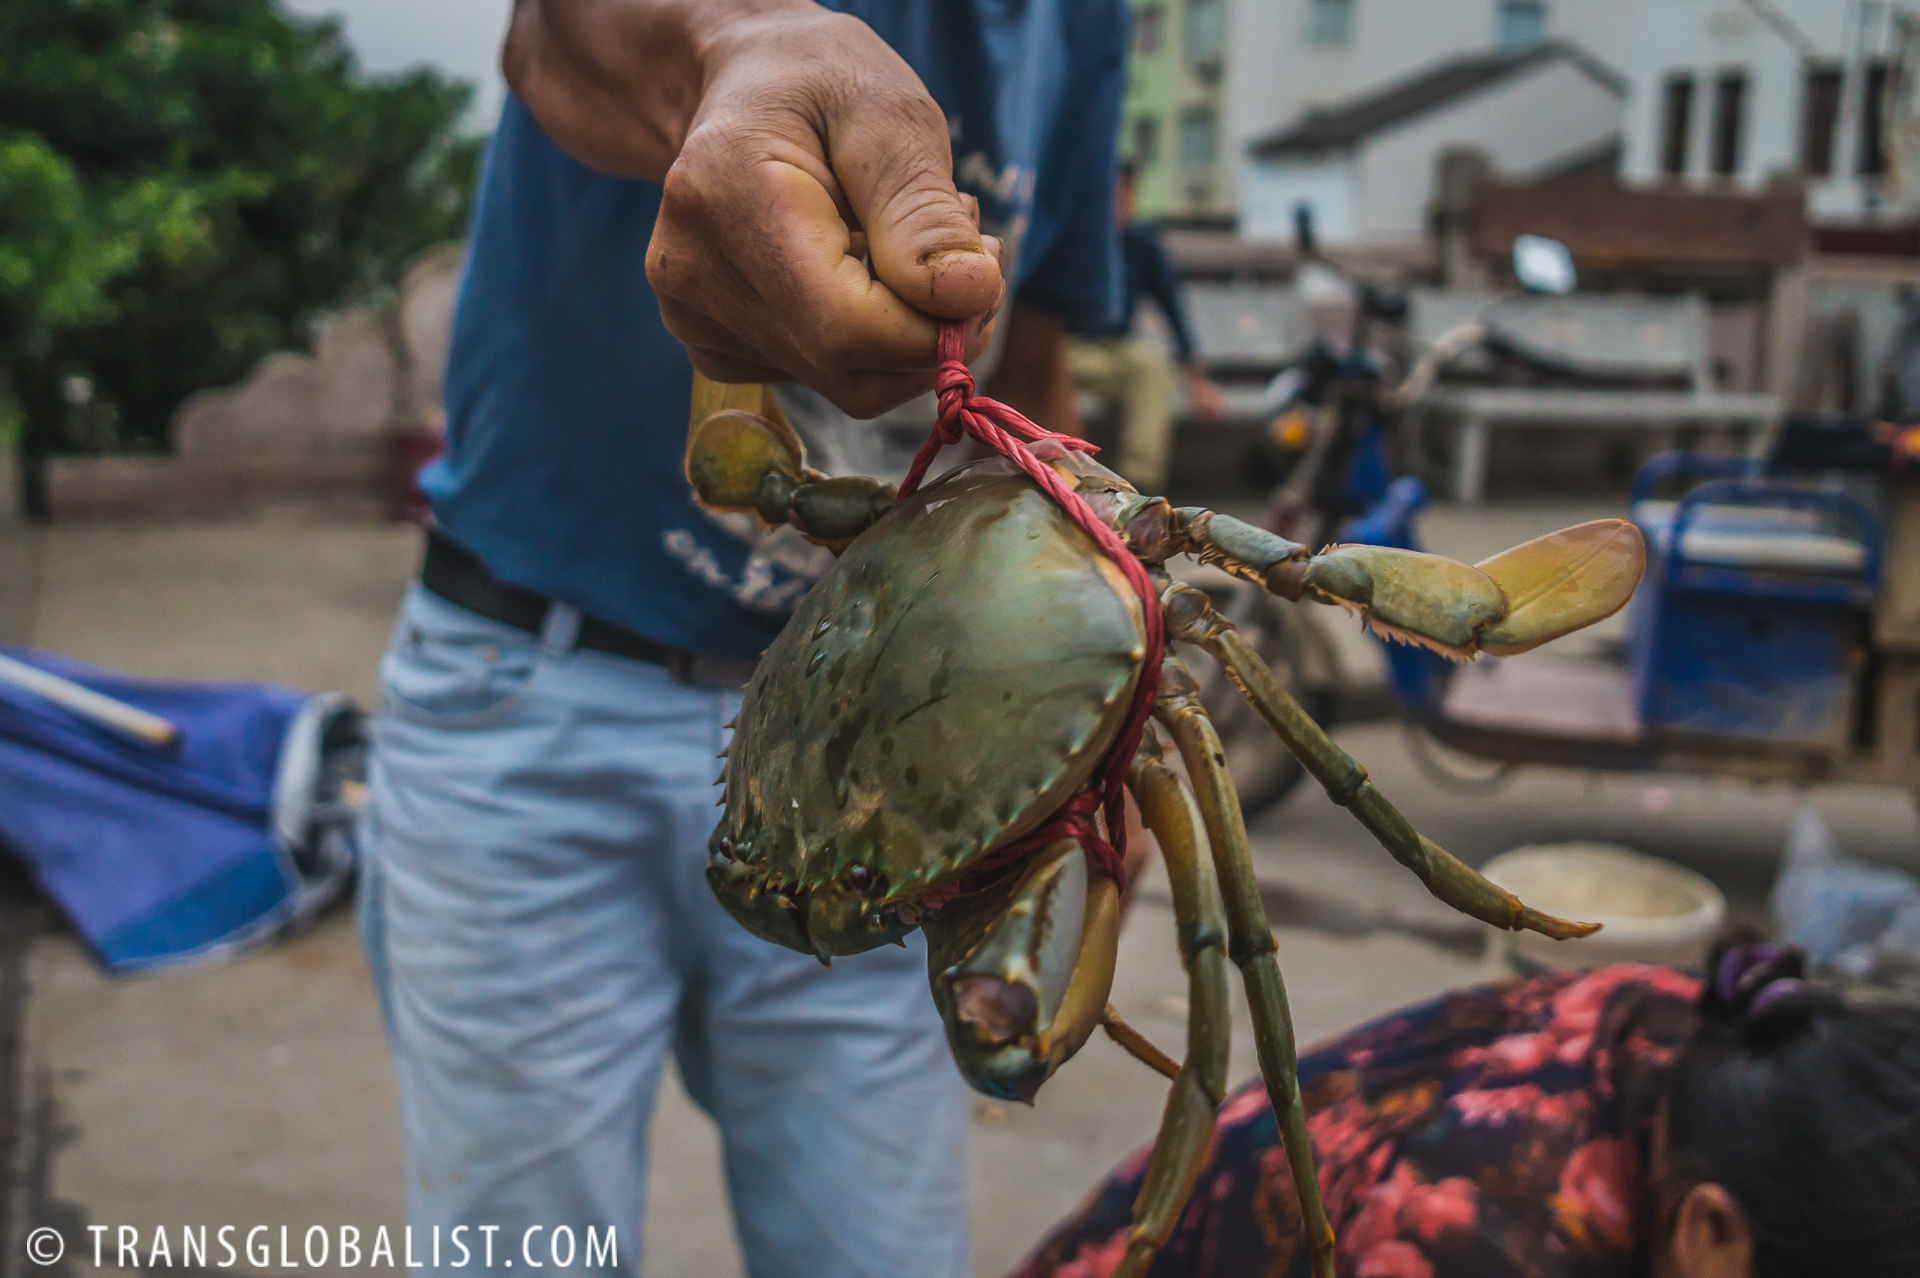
1163 287
617 83
1178 327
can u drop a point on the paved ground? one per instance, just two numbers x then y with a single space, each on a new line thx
260 1092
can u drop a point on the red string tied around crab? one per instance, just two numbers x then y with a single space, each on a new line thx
1008 433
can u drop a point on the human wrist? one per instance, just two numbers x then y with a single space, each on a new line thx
720 32
619 83
715 35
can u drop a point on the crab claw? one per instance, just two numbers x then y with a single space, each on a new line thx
1517 600
742 455
733 453
1562 582
1021 972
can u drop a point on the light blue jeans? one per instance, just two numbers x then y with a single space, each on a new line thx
540 930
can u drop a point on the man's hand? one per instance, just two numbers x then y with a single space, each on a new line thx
810 229
1208 403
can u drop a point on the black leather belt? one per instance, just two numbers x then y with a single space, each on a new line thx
456 574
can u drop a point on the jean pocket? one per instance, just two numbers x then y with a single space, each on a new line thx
455 679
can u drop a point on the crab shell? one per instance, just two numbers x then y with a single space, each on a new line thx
952 680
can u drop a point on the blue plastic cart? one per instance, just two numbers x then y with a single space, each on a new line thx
1776 635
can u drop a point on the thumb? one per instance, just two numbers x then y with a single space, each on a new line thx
896 171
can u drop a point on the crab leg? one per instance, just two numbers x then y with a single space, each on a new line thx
1192 618
1186 1128
1234 545
1513 602
1138 1045
1250 940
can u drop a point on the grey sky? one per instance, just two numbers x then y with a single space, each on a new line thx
461 37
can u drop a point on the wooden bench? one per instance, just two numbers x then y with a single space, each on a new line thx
1659 341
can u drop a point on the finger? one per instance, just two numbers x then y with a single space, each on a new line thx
889 149
783 289
839 316
980 334
724 355
695 328
720 366
843 317
864 396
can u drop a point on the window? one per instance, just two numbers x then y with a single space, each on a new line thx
1518 22
1819 116
1199 137
1873 134
1729 110
1149 21
1146 141
1674 127
1329 22
1206 33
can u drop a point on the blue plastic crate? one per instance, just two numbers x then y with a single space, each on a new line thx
1752 614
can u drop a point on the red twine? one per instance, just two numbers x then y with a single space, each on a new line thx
1007 433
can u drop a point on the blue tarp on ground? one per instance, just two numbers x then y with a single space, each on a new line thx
162 856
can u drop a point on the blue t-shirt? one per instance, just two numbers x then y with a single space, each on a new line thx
567 399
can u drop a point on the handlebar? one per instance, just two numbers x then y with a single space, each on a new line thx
1419 380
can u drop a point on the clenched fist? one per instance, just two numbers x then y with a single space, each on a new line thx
810 229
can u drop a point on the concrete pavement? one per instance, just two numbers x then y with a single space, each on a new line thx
261 1093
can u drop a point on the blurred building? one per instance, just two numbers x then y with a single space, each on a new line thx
1173 112
1738 93
1364 166
1210 76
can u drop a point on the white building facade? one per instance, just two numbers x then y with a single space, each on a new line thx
1284 57
1365 168
1740 92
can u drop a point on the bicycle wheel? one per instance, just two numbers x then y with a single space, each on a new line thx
1265 771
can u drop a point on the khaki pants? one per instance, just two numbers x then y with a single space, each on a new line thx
1141 378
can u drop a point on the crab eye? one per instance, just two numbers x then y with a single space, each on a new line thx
862 880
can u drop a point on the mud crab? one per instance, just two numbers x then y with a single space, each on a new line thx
958 675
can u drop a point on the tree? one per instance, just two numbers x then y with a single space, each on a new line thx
186 184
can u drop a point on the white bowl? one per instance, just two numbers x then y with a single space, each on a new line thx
1652 911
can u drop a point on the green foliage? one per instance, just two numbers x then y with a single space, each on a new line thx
64 241
186 184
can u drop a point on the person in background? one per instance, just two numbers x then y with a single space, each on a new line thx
1631 1122
1110 362
764 190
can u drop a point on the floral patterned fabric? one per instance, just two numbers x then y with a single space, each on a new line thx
1498 1132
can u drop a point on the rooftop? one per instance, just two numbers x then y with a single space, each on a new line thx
1343 125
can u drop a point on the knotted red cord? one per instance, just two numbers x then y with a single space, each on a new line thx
1006 432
